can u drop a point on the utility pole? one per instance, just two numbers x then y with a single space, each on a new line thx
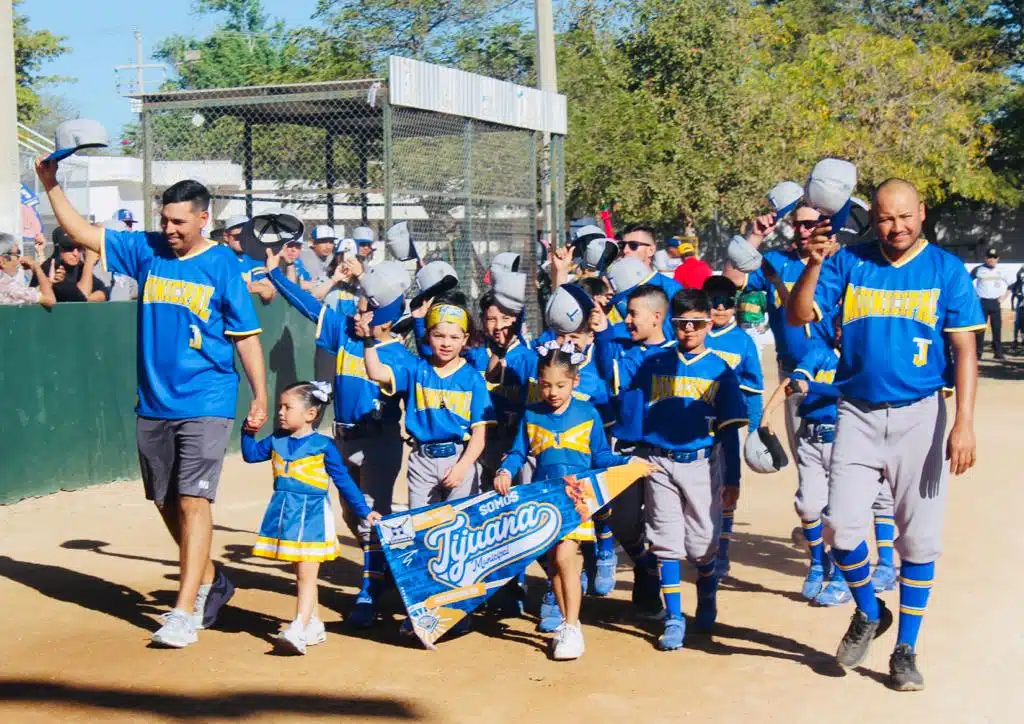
139 67
10 213
546 81
139 77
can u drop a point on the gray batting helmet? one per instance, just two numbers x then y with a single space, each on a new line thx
763 452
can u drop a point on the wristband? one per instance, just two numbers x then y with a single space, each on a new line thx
369 342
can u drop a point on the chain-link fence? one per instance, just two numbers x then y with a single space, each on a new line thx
340 153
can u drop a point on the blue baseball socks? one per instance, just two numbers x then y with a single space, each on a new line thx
856 568
915 585
815 542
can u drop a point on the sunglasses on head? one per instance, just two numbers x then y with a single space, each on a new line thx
723 300
633 245
687 323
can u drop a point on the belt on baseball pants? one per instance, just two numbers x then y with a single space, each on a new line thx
358 431
438 449
819 433
679 456
865 406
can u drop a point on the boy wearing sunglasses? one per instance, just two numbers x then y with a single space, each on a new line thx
691 400
727 340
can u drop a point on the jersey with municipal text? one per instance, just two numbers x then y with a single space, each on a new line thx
894 317
791 343
686 397
442 408
190 309
565 443
819 366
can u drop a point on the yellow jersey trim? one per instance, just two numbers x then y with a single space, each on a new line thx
698 358
248 333
908 257
452 371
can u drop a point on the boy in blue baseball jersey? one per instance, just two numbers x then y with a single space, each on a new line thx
298 525
254 273
727 340
366 421
903 297
194 313
692 399
564 435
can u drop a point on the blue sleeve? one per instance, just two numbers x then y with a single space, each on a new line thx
821 389
808 366
832 280
331 327
257 272
516 457
404 374
963 308
481 410
749 371
126 252
606 350
419 330
239 313
625 373
601 455
730 407
255 452
730 438
755 407
756 282
347 489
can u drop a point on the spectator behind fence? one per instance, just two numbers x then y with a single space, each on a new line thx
72 276
317 257
14 288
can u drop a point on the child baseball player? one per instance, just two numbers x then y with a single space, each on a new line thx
692 399
366 422
564 435
735 346
298 525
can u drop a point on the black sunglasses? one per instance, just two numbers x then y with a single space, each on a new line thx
723 300
634 245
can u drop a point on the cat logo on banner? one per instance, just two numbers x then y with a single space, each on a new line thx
448 558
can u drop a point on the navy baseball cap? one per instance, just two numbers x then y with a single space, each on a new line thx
124 215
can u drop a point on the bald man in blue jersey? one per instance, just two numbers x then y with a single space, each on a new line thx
902 300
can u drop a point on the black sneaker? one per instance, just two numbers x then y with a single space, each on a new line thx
853 649
903 673
220 593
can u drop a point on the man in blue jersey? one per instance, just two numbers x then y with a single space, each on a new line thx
194 313
902 300
640 242
777 275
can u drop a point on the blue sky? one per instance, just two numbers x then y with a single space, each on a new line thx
101 35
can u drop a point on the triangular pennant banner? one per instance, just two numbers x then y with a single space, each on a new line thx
449 558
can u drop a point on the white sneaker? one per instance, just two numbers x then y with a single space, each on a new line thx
292 640
315 632
177 632
200 606
569 644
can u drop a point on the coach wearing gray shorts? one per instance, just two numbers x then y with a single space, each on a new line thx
194 313
903 299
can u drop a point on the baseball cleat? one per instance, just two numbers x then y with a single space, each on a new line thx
814 582
672 638
550 614
363 613
883 578
567 643
853 649
178 631
220 592
604 573
903 673
836 593
647 595
292 640
707 613
315 633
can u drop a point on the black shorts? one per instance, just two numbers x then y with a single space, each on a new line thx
182 457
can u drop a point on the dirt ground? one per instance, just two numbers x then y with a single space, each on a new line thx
83 576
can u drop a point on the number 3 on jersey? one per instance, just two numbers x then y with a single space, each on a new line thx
195 340
921 358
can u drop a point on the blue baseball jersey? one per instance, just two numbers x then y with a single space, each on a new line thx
739 351
629 404
508 397
791 343
818 369
190 310
442 408
561 444
592 387
687 397
357 398
894 317
251 270
617 313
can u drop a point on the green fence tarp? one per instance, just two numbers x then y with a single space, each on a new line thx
67 391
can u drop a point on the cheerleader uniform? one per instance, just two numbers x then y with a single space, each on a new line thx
562 444
299 522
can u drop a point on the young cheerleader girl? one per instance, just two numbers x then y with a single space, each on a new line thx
565 436
299 523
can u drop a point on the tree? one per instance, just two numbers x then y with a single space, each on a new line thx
32 49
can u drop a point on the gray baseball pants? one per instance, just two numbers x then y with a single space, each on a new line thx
425 473
902 448
374 463
683 510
